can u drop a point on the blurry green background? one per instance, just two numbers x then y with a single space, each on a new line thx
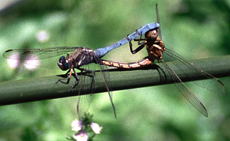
194 29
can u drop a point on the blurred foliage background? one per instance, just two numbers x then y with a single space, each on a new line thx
194 29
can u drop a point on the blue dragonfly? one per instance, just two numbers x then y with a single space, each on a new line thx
157 51
77 57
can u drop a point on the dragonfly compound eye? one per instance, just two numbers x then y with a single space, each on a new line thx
63 63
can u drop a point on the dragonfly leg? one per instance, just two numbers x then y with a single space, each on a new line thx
140 39
139 43
75 75
68 79
137 49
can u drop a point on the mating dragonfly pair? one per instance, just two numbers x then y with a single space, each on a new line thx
156 51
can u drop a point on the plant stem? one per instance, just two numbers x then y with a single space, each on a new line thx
43 88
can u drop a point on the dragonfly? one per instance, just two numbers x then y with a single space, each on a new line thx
76 58
157 51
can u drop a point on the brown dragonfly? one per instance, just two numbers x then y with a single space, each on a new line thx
76 58
157 51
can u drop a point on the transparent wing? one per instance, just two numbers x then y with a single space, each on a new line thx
17 54
209 83
186 92
105 76
84 101
34 58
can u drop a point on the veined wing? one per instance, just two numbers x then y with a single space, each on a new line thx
209 82
34 58
105 76
186 92
37 54
84 101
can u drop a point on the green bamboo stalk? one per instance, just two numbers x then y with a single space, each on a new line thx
43 88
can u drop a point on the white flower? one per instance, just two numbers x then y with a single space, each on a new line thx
76 125
81 136
96 128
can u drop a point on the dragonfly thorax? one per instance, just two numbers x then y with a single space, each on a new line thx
155 49
82 56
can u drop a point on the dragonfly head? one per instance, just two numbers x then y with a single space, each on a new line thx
152 34
63 63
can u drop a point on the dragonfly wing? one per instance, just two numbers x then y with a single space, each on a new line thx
105 76
84 101
17 54
209 83
186 92
33 58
